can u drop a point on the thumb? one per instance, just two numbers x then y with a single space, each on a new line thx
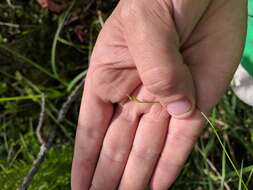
154 44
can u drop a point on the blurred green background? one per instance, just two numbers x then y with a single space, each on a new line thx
43 52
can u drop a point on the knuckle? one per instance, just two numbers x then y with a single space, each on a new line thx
186 135
183 138
115 149
115 154
144 153
94 186
89 133
128 113
160 183
87 140
85 162
97 184
165 165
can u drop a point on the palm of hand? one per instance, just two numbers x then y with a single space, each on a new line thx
202 43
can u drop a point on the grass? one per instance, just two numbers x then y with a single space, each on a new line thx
224 155
40 54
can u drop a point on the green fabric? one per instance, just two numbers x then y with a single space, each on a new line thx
247 59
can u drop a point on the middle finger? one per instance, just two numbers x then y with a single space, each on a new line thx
117 143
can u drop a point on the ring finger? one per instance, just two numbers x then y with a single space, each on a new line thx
147 146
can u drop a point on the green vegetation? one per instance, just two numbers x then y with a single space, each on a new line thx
46 54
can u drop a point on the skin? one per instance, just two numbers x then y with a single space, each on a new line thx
158 51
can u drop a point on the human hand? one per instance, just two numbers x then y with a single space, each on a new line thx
181 54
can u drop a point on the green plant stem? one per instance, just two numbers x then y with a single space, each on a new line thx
135 99
224 149
57 34
29 97
73 82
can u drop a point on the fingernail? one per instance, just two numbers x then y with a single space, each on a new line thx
179 107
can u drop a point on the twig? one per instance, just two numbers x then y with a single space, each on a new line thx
11 25
41 119
100 18
9 3
86 8
44 148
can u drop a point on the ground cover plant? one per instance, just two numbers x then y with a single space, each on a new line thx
44 55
